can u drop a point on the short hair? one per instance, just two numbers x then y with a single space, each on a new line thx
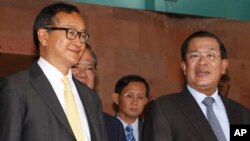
47 17
93 55
125 80
198 34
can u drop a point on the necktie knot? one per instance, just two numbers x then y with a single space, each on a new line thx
129 128
65 80
208 101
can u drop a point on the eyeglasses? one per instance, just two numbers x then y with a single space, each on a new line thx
72 33
90 67
130 95
208 55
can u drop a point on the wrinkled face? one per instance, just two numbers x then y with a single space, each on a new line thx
56 48
204 66
84 71
132 100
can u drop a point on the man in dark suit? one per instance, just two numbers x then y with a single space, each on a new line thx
34 103
185 116
85 72
130 96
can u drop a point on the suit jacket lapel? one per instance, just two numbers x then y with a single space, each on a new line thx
195 115
233 115
47 94
140 130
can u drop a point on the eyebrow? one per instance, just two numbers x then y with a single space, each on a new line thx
89 64
74 27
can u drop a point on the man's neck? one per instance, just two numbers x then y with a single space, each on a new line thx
128 120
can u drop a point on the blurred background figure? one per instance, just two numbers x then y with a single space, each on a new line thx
85 70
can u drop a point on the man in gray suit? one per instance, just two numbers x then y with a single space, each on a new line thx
185 116
33 105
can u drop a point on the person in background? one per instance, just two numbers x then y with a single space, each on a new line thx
199 112
85 71
130 96
45 102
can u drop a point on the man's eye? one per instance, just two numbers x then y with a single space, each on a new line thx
140 97
90 69
129 96
72 32
194 56
83 35
210 55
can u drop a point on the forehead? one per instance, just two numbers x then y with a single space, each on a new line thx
136 86
72 20
87 57
203 44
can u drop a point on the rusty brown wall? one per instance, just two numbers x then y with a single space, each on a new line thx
130 42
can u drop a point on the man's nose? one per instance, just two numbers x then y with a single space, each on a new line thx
135 99
203 59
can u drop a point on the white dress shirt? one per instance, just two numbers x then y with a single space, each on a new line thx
55 78
218 107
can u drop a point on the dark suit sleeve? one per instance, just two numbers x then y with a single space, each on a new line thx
121 133
156 126
10 113
114 128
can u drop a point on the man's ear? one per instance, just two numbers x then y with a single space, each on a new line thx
224 66
43 36
184 67
115 97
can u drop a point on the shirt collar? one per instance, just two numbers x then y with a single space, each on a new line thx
52 72
134 125
199 97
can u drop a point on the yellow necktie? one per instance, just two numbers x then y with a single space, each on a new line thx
72 111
